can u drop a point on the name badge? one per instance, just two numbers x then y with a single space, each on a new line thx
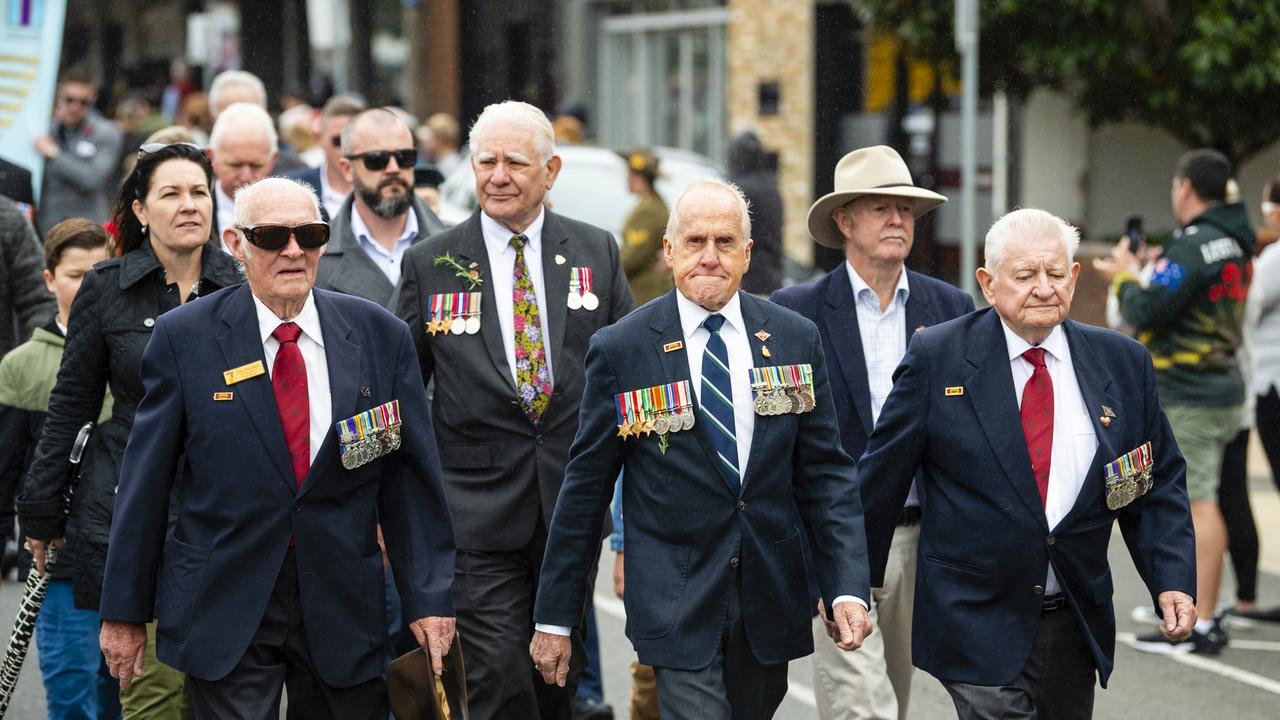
244 372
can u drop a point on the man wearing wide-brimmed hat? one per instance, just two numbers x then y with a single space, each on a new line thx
866 311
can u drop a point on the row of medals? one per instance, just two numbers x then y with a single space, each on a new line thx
781 401
584 301
661 424
458 325
357 452
1129 489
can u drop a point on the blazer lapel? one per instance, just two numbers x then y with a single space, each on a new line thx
241 344
675 365
919 307
1096 386
755 320
991 394
473 250
356 273
841 323
555 283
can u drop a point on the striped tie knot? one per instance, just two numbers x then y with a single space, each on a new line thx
714 322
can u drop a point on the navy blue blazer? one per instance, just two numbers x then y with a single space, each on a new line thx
985 544
828 301
687 532
238 506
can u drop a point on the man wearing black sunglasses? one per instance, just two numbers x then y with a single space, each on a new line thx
81 155
274 578
382 218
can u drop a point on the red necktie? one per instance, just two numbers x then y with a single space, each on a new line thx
289 381
1037 419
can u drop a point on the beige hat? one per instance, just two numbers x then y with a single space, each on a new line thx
875 170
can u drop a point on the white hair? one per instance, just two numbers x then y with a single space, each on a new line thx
514 112
236 78
251 196
709 185
1027 223
241 119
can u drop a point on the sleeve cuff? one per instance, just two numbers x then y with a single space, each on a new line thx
850 598
552 629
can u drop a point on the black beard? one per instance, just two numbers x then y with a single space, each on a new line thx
385 207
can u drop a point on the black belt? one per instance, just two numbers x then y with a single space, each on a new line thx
909 516
1053 603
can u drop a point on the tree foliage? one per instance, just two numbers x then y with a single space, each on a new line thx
1207 71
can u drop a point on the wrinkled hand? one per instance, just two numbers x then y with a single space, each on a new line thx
124 646
619 581
550 653
47 146
1179 614
1121 260
853 625
39 549
435 635
832 630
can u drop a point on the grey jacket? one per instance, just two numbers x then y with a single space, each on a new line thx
345 267
25 304
78 182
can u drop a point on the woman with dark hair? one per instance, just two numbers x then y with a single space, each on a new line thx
168 256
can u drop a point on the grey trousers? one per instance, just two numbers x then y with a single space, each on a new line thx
735 686
1056 684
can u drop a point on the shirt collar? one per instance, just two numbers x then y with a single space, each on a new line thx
308 319
901 290
361 230
692 314
1055 345
226 203
498 237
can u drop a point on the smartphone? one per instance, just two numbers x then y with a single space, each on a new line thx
1133 229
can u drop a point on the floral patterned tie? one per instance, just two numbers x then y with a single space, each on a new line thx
532 380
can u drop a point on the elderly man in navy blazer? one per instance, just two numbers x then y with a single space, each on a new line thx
717 405
866 310
1032 435
302 423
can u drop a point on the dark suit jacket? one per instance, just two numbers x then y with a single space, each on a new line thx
985 544
344 266
239 508
502 473
686 529
15 183
307 174
828 301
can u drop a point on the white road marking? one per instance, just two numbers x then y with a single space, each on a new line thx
1218 667
613 607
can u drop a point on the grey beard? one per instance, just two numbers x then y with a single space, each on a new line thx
386 207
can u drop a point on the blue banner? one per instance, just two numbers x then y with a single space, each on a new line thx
30 47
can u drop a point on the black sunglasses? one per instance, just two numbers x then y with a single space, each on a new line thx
378 159
275 237
149 148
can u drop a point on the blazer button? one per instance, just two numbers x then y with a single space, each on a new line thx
538 438
1051 540
1038 589
734 561
741 506
297 507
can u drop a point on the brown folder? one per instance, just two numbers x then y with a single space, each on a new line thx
417 694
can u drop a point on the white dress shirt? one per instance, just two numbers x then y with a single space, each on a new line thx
311 345
330 198
388 261
734 334
502 267
1074 440
226 214
884 342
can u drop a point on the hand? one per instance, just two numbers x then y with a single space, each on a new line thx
1121 260
124 646
39 548
619 585
853 624
47 147
435 635
550 655
1179 614
832 630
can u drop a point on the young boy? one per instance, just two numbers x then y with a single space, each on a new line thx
66 637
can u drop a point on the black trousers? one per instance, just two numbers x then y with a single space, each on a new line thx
1056 684
1237 513
493 595
278 657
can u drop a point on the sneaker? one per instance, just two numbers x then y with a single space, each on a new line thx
1240 619
1145 615
1265 615
1206 643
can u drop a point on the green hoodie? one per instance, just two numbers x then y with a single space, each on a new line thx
1190 315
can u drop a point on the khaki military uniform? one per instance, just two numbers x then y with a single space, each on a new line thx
642 259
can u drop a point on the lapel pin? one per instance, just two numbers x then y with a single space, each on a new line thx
954 390
764 350
220 396
672 346
364 392
1106 421
763 335
919 328
559 259
1108 412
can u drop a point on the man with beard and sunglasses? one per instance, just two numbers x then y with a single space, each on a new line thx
300 419
382 218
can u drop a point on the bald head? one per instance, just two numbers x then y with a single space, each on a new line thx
375 126
243 146
258 201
